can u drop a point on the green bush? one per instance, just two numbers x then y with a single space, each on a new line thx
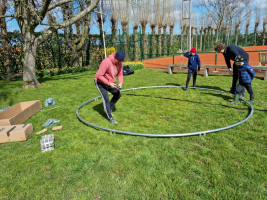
46 72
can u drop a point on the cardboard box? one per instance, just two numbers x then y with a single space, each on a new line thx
14 133
19 113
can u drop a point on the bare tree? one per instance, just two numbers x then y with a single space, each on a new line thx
257 12
76 44
248 20
30 14
113 14
201 32
221 10
144 11
124 13
159 22
136 22
172 19
152 19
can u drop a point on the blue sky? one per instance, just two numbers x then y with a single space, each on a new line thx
12 25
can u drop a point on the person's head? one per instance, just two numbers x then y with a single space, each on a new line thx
119 57
239 60
193 51
220 48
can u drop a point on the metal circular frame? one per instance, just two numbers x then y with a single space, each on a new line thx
114 131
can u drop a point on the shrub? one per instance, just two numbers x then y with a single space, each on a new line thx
46 72
78 69
57 71
70 70
52 72
134 65
39 73
109 51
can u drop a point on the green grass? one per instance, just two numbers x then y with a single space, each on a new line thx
88 163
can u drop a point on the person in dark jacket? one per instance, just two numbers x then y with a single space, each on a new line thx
230 52
193 65
245 76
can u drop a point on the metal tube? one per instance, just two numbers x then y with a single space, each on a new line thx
163 135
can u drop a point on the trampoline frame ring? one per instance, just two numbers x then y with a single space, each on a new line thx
200 133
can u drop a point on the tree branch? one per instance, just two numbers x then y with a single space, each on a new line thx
54 5
2 16
44 9
79 16
69 22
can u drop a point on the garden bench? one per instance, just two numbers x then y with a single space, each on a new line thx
262 58
171 67
206 69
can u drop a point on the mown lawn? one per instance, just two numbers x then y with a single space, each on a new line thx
88 163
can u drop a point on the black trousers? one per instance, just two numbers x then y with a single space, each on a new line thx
235 79
190 72
242 87
103 90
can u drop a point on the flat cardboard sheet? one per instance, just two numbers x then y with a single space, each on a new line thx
19 113
15 133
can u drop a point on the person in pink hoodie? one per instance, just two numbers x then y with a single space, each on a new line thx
105 79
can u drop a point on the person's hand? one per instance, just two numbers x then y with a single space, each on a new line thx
230 71
120 85
112 85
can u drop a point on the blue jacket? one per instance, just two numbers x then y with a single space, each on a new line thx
193 61
245 74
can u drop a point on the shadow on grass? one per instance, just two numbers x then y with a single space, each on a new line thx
174 84
77 75
100 109
197 102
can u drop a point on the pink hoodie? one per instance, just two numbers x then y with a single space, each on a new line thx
108 71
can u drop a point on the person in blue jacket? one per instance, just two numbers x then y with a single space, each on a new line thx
193 65
230 52
245 76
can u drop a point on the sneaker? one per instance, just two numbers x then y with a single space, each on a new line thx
113 121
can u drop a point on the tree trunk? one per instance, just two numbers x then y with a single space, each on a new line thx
264 34
236 36
171 40
75 54
153 42
30 49
159 41
192 37
255 35
4 36
196 31
136 46
200 45
113 29
144 39
165 40
124 37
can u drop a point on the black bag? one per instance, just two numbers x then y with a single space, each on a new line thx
127 70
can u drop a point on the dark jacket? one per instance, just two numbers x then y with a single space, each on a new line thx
245 74
193 61
232 51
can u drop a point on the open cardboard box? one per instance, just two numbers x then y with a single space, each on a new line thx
19 113
14 133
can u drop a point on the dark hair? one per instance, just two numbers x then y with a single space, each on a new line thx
219 47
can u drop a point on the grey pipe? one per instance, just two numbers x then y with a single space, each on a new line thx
113 131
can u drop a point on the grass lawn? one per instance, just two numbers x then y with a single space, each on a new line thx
88 163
